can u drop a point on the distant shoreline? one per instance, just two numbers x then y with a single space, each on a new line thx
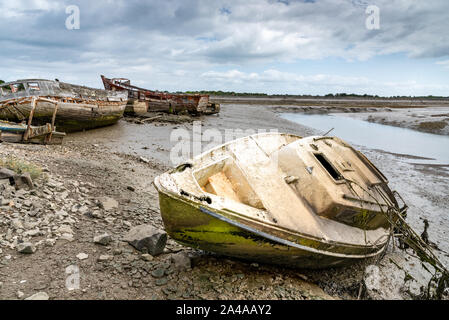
336 102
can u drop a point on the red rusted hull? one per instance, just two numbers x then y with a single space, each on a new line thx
143 100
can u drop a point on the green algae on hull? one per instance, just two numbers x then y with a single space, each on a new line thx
190 224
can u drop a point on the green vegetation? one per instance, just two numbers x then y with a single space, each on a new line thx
435 125
225 93
20 166
308 96
1 81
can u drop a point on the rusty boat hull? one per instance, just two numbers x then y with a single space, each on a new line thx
143 100
78 108
257 219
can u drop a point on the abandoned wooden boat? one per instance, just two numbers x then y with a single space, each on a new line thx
22 133
78 108
144 100
310 202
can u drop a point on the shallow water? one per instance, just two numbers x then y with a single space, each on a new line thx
434 148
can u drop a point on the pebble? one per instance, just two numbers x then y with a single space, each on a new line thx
82 256
107 203
181 261
147 257
161 282
158 273
147 238
103 239
104 257
39 296
26 248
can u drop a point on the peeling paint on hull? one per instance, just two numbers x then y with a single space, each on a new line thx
78 108
188 224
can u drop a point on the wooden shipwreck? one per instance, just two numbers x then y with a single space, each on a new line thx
144 100
274 198
23 133
69 107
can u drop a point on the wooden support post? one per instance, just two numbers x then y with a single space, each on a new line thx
53 119
30 119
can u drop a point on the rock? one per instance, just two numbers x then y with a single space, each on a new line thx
20 294
96 214
39 296
67 237
117 251
65 229
107 203
82 256
50 242
6 173
131 188
103 239
145 160
23 181
26 248
147 257
158 273
110 220
161 282
104 257
147 237
32 233
17 224
181 261
83 209
61 213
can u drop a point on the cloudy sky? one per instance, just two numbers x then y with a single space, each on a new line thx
283 46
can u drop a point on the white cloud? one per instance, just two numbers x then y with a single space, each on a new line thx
175 45
444 63
275 81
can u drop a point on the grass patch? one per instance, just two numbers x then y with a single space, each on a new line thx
436 125
20 167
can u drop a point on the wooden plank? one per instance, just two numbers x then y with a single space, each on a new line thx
40 131
53 119
30 119
220 185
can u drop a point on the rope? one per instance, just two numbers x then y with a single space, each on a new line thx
406 235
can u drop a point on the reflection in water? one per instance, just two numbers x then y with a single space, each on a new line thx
378 136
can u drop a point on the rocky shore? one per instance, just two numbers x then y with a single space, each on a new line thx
74 223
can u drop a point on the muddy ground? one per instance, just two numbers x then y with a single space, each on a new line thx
108 162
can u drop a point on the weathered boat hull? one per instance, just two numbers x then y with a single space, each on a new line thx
277 198
71 117
73 107
143 100
16 133
201 227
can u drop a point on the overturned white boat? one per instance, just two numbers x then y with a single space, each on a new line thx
310 202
